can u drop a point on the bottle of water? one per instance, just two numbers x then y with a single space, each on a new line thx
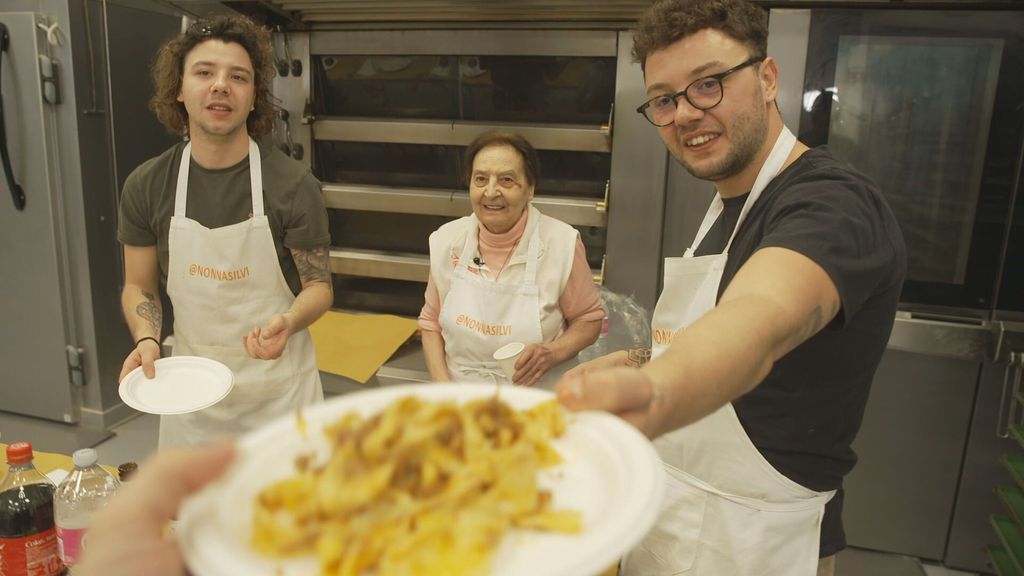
83 492
28 543
599 347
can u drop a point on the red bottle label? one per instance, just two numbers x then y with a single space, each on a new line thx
34 555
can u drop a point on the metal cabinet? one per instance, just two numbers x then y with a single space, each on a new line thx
901 494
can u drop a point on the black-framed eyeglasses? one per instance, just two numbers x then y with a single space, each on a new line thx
703 94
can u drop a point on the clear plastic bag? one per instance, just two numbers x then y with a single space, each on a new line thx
628 325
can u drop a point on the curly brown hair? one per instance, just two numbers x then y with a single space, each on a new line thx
668 21
169 68
531 160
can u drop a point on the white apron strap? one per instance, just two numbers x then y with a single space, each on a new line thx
255 179
776 159
181 187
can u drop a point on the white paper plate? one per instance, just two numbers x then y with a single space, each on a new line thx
182 384
611 474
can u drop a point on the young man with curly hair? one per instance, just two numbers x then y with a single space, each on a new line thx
236 233
769 328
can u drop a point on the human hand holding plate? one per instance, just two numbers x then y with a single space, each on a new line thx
145 353
182 384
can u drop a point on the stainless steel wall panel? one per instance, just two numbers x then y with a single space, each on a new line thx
686 200
465 42
445 132
125 38
636 200
788 31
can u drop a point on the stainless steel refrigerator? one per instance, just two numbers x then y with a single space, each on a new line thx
74 82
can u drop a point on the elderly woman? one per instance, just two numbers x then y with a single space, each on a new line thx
506 273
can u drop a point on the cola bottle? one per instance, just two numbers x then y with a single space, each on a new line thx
28 536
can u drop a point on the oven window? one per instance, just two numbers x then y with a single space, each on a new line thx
926 103
572 90
562 173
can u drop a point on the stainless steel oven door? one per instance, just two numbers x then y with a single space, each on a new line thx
927 102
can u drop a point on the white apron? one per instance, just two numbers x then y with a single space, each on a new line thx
222 282
727 511
478 316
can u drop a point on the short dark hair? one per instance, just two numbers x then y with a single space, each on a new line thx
169 67
531 161
668 21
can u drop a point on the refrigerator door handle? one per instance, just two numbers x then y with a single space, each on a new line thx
16 192
1007 417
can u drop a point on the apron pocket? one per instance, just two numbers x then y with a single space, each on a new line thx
671 545
748 539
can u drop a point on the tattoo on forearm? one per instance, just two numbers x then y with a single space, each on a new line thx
313 265
150 312
815 321
637 357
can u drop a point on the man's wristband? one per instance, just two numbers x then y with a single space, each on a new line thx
139 341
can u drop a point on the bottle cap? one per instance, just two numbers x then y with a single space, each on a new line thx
84 458
127 470
19 453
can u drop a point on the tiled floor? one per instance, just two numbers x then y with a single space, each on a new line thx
860 562
935 570
132 441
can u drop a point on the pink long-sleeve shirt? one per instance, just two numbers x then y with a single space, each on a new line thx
579 301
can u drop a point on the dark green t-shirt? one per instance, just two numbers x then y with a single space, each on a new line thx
216 198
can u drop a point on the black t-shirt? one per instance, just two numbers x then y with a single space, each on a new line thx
807 411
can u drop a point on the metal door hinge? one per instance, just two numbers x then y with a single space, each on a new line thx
49 67
49 77
76 365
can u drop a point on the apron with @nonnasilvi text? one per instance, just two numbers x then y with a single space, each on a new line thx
727 511
479 315
222 282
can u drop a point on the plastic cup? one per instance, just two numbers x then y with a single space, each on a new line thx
507 356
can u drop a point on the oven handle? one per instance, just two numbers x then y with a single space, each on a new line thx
17 194
1014 370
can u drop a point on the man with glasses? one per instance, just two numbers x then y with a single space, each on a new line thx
770 327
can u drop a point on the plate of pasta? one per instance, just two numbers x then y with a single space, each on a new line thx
455 479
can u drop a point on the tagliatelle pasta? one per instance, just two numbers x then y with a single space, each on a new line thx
421 488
